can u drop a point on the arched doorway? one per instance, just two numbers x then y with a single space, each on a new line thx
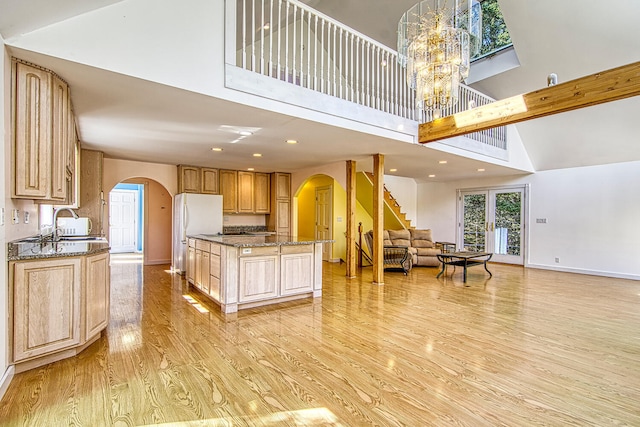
140 219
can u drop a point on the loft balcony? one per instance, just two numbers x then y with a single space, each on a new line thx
289 52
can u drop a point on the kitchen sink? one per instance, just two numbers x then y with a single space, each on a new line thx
96 239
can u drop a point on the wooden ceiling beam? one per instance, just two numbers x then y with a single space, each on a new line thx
606 86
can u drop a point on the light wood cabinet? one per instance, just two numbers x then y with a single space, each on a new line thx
188 179
191 261
32 131
46 307
193 179
97 287
245 192
229 190
214 271
41 135
296 270
209 180
279 219
258 278
91 203
261 191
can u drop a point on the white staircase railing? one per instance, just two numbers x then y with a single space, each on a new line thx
292 42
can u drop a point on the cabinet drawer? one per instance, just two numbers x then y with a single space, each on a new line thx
215 249
257 251
203 246
297 249
192 243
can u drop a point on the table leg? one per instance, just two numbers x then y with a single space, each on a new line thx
444 265
485 267
464 275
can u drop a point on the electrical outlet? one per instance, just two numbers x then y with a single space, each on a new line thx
26 217
15 216
1 216
557 260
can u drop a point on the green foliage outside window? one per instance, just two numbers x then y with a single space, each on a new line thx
495 35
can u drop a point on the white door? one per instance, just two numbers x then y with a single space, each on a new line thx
324 219
493 221
123 227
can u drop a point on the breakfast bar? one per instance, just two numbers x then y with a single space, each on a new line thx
247 271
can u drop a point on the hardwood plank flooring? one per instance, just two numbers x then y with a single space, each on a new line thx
524 348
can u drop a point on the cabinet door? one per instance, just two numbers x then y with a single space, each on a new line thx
198 274
209 180
32 132
282 185
191 264
296 273
97 285
261 193
59 139
46 307
283 217
229 190
188 179
205 272
258 278
214 271
245 192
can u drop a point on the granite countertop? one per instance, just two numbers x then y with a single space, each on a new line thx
245 241
33 248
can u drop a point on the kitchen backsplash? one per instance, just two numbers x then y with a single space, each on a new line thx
243 229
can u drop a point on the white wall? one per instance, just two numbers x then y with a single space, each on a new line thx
116 171
405 191
592 217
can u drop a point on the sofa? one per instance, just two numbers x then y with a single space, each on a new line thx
420 243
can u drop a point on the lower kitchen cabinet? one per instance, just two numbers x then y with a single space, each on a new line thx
296 273
97 280
258 278
58 307
191 261
46 306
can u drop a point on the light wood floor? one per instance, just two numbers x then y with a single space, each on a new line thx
525 348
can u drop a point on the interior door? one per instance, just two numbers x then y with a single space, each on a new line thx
123 208
493 221
324 219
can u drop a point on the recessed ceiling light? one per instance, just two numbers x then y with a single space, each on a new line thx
245 133
480 170
443 162
393 170
266 26
291 141
257 155
216 149
250 169
432 176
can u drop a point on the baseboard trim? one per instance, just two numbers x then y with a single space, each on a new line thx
6 380
584 271
158 262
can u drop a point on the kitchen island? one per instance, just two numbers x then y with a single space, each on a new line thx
247 271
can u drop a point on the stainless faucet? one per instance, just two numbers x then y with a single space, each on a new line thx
55 220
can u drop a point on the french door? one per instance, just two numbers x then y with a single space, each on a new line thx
493 221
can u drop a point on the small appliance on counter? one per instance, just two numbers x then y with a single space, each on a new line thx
74 226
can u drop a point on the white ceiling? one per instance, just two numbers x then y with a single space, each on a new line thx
135 119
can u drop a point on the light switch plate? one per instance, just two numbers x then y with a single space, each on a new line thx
15 216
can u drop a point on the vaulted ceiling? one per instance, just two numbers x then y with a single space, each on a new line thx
569 38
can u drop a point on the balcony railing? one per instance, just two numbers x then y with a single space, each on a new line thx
291 42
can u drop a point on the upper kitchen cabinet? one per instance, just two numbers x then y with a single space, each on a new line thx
279 219
245 192
42 164
193 179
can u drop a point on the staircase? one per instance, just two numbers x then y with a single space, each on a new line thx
393 205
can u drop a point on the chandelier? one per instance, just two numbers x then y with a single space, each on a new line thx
435 40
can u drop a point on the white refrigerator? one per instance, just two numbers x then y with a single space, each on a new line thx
193 214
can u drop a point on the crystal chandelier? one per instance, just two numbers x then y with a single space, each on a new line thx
435 39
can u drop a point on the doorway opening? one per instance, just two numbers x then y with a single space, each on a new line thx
140 220
493 220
